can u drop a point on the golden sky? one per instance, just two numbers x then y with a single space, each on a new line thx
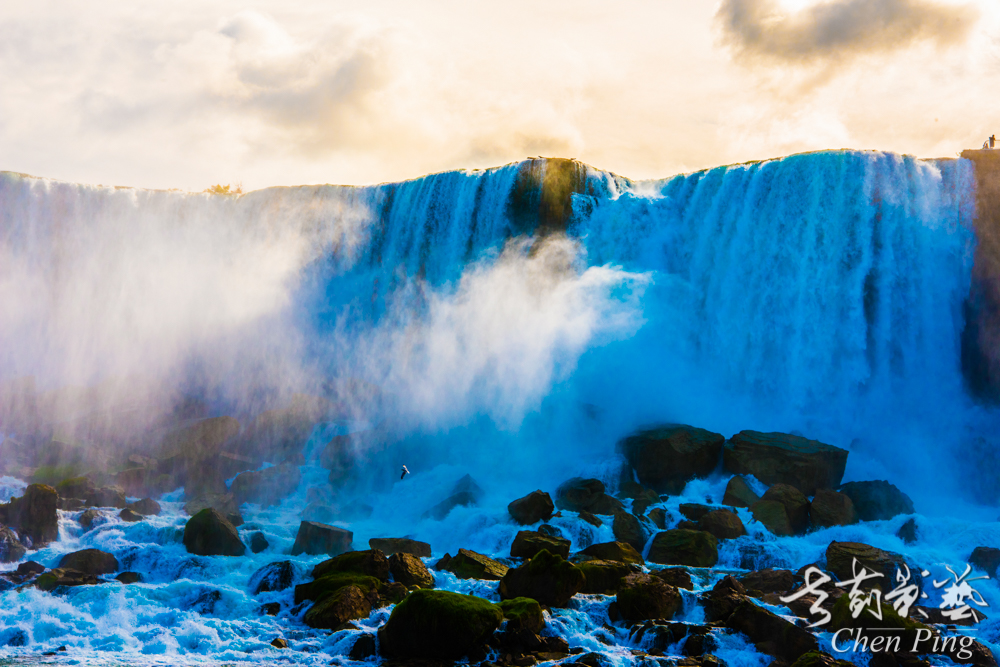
184 94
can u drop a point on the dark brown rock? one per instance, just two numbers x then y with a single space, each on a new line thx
471 565
145 507
532 508
527 543
667 457
107 496
627 528
129 516
279 643
878 500
208 533
723 524
720 602
832 508
319 538
773 515
438 625
986 559
738 493
369 563
771 633
396 545
90 561
604 577
586 495
34 515
781 458
840 558
796 505
615 551
342 605
769 581
694 511
677 577
64 577
364 648
643 597
258 542
87 518
908 531
547 578
658 516
410 571
694 548
129 578
11 550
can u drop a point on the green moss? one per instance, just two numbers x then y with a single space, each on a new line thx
46 581
604 577
523 613
354 562
331 583
439 625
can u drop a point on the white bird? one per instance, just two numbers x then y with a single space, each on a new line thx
405 473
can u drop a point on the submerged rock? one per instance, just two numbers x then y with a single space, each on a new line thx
410 571
471 565
319 538
643 597
667 457
908 531
90 561
532 508
878 500
781 458
129 516
694 548
738 493
11 550
129 578
208 533
586 495
397 545
438 625
34 515
54 578
527 543
547 578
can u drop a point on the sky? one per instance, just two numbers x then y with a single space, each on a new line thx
187 94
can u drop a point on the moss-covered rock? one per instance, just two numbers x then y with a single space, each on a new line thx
773 515
667 457
523 613
738 493
694 548
371 563
11 550
820 659
796 505
617 551
628 529
527 543
604 577
723 524
438 625
840 557
410 571
643 597
771 633
34 515
547 578
832 508
341 605
471 565
401 545
208 533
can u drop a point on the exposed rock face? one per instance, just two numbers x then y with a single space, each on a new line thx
208 533
738 493
527 543
90 561
410 571
471 565
667 457
615 551
878 500
780 458
401 545
773 515
723 524
438 625
547 578
586 495
145 507
267 487
629 530
831 508
319 538
796 505
532 508
604 577
11 550
694 548
274 577
34 515
643 597
840 561
986 559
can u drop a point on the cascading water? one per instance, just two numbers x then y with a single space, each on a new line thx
516 323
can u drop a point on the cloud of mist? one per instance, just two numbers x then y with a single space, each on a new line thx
840 29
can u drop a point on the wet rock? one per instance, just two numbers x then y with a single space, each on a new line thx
400 545
145 507
471 565
208 533
90 561
523 614
771 633
11 550
410 571
206 600
615 551
908 531
258 542
547 578
986 559
627 529
466 493
591 519
604 577
340 606
694 548
279 643
30 568
438 625
796 505
369 563
658 516
129 516
694 511
643 597
738 493
768 581
840 558
274 577
223 503
54 578
832 508
129 578
781 458
527 543
723 524
586 495
271 608
773 515
364 648
677 577
316 538
532 508
878 500
266 487
34 515
667 457
107 496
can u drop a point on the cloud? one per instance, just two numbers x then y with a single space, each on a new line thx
840 29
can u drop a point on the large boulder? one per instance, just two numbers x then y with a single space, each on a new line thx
90 561
832 508
604 577
771 633
527 543
11 550
223 503
532 508
400 545
667 457
616 551
268 486
523 614
344 604
586 495
348 587
370 563
642 597
796 505
694 548
107 496
781 458
547 578
466 493
627 528
986 559
773 515
738 493
768 581
57 577
208 533
34 515
471 565
878 500
438 625
410 571
316 538
840 557
723 524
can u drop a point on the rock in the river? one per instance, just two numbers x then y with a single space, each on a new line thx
208 533
694 511
773 515
547 578
796 505
832 508
617 551
145 507
364 647
34 515
223 503
840 558
659 517
410 571
107 496
604 577
722 523
129 578
908 531
471 565
258 542
465 494
627 529
586 495
527 543
340 606
694 548
268 486
667 457
878 500
986 559
642 597
400 545
738 493
129 516
438 625
769 581
87 518
771 633
274 577
532 508
523 614
780 458
319 538
11 550
64 577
